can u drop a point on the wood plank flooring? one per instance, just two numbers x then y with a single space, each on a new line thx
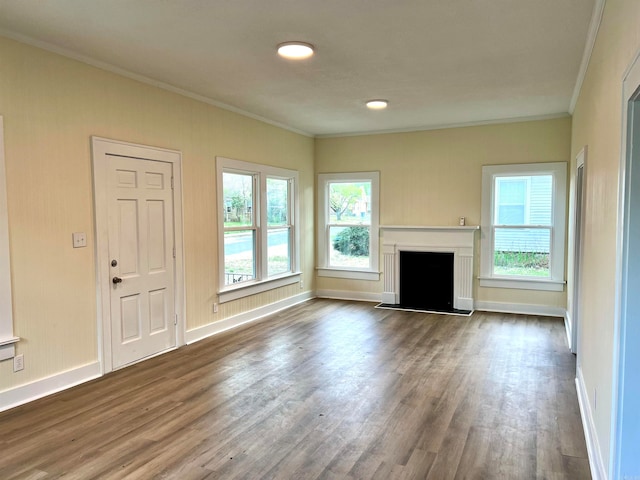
327 390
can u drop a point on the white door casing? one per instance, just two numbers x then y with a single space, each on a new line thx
138 222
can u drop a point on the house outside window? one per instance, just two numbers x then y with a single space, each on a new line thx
258 234
523 226
348 225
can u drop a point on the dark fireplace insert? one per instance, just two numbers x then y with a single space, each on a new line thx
426 281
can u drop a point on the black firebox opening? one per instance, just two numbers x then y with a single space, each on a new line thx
426 280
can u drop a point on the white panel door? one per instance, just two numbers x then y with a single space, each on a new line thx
140 216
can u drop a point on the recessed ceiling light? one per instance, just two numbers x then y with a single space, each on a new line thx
295 50
378 104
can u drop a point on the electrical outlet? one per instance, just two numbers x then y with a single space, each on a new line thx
79 239
215 308
18 363
301 285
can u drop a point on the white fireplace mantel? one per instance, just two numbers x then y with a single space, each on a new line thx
458 240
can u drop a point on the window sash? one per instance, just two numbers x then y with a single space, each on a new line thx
556 216
261 227
326 223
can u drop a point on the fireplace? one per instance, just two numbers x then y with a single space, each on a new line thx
428 268
426 280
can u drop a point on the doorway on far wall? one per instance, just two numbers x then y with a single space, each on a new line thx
577 248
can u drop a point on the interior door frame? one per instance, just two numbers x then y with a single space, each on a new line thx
626 350
101 148
576 239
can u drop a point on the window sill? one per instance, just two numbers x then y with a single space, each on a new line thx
236 292
350 274
523 283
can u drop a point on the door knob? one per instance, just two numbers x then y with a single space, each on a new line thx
116 280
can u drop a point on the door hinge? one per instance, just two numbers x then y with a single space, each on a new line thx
174 252
175 321
171 183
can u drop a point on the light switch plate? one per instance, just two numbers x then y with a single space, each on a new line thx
79 239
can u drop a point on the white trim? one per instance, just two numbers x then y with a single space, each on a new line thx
590 434
520 308
430 228
243 290
459 241
631 80
29 392
143 79
348 295
575 242
324 269
101 147
568 331
206 331
350 274
522 283
262 281
8 348
556 279
594 26
445 126
6 309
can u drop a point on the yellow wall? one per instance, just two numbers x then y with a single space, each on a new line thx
435 177
597 122
51 106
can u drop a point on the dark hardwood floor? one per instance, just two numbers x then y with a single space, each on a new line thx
326 389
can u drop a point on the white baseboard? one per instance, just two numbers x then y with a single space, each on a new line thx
598 471
46 386
347 295
205 331
521 308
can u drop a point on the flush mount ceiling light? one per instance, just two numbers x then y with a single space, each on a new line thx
377 104
295 50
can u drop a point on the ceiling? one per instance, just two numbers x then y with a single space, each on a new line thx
438 62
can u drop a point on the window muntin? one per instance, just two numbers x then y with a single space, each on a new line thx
523 225
348 225
258 235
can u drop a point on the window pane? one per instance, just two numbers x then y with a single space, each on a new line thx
238 199
524 200
510 215
349 247
511 201
239 256
279 260
541 200
277 202
350 202
521 251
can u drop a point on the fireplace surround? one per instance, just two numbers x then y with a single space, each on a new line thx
456 240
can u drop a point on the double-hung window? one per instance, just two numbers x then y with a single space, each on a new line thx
523 226
348 225
258 235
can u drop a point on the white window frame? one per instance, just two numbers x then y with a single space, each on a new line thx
262 282
324 269
556 280
7 339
